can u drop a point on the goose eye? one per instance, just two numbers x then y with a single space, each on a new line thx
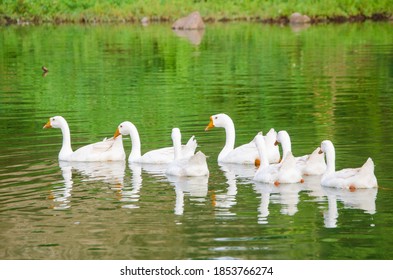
121 126
53 119
215 118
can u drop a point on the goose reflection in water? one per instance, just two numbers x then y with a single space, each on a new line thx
363 199
240 171
131 195
224 202
194 187
61 195
111 172
263 209
286 195
312 186
156 170
234 173
108 172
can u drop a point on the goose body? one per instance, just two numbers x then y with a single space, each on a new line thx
158 156
244 154
349 178
107 150
186 166
284 172
312 164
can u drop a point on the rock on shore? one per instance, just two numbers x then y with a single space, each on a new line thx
298 18
191 22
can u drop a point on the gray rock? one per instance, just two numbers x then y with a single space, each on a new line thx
191 22
145 20
298 18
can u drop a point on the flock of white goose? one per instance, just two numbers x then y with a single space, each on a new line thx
182 160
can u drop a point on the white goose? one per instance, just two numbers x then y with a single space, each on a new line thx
190 166
244 154
106 150
313 164
284 172
349 178
158 156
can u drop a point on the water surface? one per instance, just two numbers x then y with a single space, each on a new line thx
320 82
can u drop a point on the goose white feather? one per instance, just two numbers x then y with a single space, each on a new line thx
313 164
158 156
350 178
284 172
107 150
189 166
244 154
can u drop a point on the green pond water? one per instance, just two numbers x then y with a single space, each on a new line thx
317 82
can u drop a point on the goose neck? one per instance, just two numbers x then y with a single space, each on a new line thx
261 147
135 142
176 146
330 160
66 148
286 146
230 136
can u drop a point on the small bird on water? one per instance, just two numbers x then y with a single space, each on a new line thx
45 71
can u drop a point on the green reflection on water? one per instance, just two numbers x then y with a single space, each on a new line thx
323 82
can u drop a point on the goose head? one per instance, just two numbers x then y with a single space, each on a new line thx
282 137
176 136
124 128
55 122
258 139
219 120
326 146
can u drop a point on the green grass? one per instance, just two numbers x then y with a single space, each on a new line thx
168 10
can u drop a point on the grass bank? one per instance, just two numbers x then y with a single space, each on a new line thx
39 11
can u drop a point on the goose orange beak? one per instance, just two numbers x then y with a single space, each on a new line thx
117 133
47 125
210 125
